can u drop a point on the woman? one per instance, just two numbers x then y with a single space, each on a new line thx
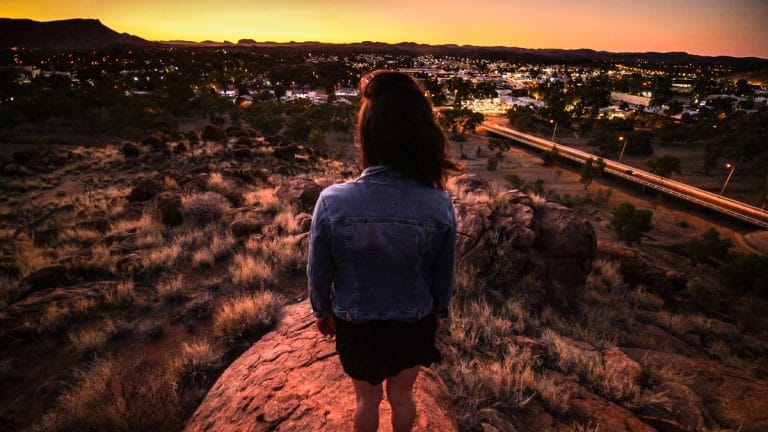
381 254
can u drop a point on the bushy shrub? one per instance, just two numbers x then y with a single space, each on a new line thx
746 274
205 208
246 314
629 223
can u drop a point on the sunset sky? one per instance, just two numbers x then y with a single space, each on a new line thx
709 27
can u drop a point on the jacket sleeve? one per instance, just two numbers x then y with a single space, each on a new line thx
443 270
320 264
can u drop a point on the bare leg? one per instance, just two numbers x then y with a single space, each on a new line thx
400 396
368 398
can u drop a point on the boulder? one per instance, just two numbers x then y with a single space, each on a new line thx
566 245
302 193
130 150
549 239
680 411
213 133
169 206
734 398
52 276
291 380
144 190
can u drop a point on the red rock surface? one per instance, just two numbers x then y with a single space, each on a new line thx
291 380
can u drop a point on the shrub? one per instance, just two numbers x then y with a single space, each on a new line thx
710 246
171 289
124 293
629 223
205 208
746 274
93 337
248 271
119 395
246 314
196 362
162 258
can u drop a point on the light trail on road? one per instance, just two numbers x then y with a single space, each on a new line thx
721 204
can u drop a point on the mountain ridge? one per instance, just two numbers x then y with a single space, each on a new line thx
80 33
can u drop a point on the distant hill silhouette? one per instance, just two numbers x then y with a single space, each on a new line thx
91 33
570 56
72 33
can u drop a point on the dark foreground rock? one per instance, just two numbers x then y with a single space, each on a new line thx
291 380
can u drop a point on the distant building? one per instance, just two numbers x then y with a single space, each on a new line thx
635 102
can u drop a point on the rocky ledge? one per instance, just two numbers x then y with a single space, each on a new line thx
291 380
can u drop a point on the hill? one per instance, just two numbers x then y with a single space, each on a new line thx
70 34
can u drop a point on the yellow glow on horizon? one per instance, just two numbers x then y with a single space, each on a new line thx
701 27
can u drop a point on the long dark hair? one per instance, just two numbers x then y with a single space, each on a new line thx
396 127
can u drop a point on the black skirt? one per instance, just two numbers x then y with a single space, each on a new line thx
376 350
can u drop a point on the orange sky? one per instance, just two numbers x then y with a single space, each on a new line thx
709 27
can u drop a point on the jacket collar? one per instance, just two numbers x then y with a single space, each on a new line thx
386 173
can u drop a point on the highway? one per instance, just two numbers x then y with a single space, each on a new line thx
721 204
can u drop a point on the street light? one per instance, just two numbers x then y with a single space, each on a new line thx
553 131
732 167
624 147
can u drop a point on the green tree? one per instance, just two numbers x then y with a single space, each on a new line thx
664 166
746 274
710 246
630 223
592 168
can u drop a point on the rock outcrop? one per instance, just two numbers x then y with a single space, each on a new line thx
291 380
547 238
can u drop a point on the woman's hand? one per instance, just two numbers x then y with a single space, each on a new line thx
326 326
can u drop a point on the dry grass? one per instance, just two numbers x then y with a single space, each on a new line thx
676 324
285 254
30 259
120 396
286 221
606 274
205 208
587 364
94 337
195 363
79 235
642 299
265 199
246 314
123 294
7 286
248 271
485 387
171 289
55 316
217 183
203 257
100 260
161 258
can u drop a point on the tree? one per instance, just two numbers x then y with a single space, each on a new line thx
592 168
710 246
629 223
664 166
459 121
522 119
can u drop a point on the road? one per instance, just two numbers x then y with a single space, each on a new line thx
721 204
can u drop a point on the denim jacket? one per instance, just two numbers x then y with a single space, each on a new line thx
382 247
